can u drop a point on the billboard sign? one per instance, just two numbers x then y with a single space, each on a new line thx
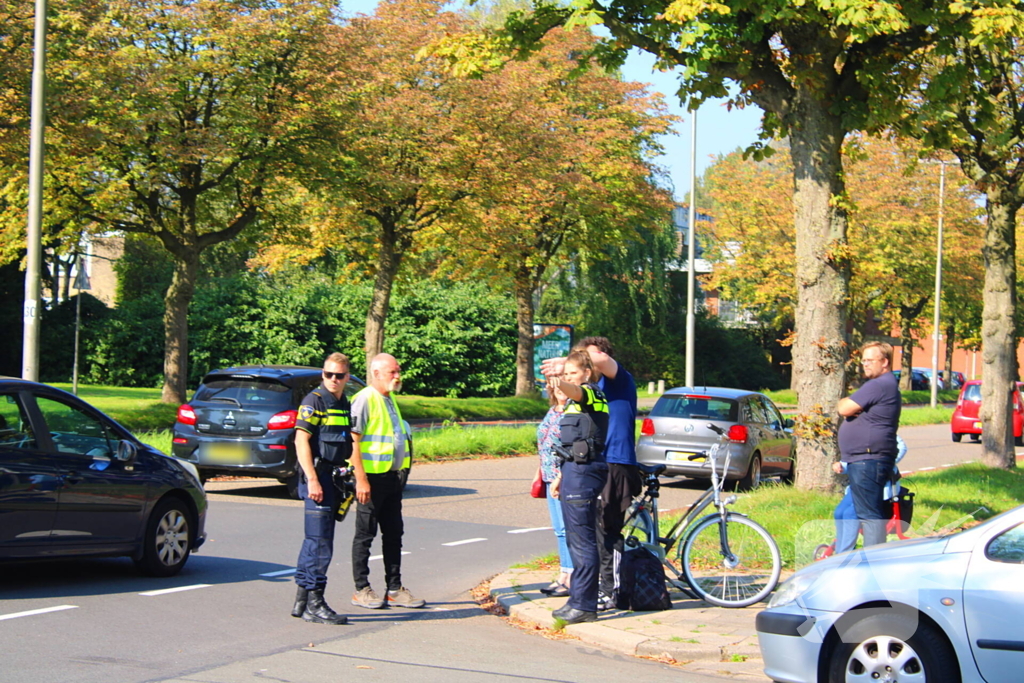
549 341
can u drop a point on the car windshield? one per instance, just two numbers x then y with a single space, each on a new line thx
246 391
696 407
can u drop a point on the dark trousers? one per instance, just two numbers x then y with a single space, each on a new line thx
581 485
318 545
384 511
867 486
623 484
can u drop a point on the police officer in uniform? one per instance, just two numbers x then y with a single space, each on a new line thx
584 472
323 441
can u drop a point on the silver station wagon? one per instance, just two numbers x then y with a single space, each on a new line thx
676 434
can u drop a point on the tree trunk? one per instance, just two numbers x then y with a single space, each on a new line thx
906 357
822 281
999 364
176 302
524 328
388 261
947 362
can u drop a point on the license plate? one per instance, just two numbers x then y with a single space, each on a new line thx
226 453
977 425
684 456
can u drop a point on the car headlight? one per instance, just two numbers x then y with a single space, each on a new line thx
794 587
191 469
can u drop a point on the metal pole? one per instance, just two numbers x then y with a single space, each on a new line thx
31 308
78 324
938 290
691 251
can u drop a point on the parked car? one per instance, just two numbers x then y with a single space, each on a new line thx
943 608
918 380
676 434
241 421
966 415
74 483
927 372
958 379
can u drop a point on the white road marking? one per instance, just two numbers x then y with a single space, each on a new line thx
526 531
468 540
924 469
179 589
381 557
33 612
283 572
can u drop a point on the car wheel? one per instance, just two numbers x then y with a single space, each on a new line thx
975 438
893 647
752 479
1018 440
957 437
168 539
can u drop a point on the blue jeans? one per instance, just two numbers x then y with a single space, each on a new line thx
867 487
558 524
847 526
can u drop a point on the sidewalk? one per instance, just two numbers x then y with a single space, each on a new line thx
699 637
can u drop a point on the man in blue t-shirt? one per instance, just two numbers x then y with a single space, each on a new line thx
620 451
867 438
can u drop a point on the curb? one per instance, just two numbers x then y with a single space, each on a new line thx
700 637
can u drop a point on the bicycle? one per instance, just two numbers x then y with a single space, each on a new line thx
726 558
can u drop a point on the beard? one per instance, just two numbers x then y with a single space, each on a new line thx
395 386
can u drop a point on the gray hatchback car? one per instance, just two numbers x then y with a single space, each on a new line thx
676 434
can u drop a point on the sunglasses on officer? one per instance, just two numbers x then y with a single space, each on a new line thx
335 375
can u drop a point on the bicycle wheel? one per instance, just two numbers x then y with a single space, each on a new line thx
748 576
639 529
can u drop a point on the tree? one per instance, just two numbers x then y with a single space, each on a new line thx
570 173
397 148
173 119
972 104
819 71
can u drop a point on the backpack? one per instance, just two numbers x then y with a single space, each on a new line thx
641 582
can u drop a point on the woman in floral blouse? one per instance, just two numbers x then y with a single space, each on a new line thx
549 472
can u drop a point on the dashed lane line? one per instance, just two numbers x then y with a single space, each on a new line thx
464 542
283 572
179 589
33 612
381 557
526 531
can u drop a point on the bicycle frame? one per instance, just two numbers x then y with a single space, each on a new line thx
664 544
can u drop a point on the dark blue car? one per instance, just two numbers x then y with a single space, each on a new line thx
75 483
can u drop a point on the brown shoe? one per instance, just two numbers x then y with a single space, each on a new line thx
403 598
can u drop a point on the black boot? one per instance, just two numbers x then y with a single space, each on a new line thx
318 612
300 602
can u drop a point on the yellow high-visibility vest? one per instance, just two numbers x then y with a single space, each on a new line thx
377 444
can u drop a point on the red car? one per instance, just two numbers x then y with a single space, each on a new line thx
966 419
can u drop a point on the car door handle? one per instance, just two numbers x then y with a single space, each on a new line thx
72 478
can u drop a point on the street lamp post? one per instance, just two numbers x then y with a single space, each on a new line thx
34 231
691 252
938 290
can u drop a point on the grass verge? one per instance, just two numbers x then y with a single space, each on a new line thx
945 500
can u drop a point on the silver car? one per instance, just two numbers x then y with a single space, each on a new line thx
945 609
676 434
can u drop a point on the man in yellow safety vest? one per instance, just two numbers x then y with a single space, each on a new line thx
379 452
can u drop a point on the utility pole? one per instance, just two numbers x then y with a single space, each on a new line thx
33 291
691 251
938 291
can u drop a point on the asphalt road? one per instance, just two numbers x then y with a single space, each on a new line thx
226 616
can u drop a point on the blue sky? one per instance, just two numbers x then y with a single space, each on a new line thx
719 131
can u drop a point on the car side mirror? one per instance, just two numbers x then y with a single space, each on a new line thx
126 451
788 423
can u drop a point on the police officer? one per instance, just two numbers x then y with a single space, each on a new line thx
322 442
584 427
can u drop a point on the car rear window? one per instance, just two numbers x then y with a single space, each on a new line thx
695 407
245 391
972 392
